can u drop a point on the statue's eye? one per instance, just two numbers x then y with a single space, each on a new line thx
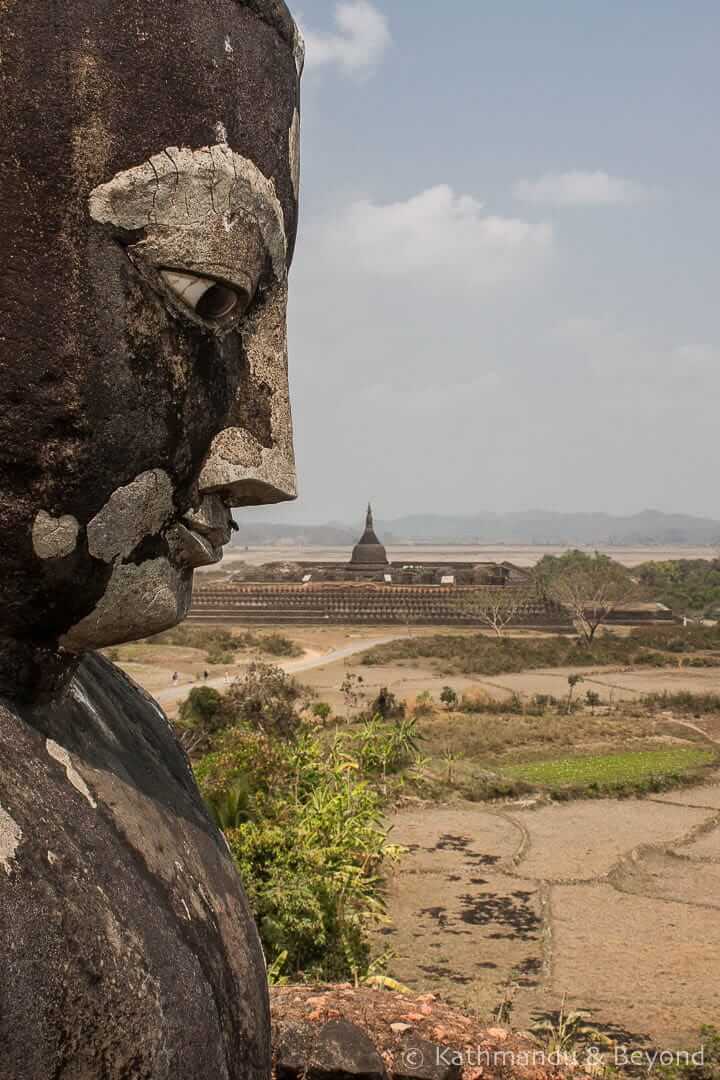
211 300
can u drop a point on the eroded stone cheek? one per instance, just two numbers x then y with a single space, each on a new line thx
132 512
141 599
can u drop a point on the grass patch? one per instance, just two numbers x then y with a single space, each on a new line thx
481 654
639 770
220 643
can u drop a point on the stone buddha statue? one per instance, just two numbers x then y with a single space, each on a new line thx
148 209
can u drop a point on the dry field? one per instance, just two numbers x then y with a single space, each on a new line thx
612 902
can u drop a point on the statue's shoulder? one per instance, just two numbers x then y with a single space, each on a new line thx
104 719
126 939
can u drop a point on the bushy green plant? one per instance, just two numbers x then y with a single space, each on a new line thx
307 838
382 748
321 709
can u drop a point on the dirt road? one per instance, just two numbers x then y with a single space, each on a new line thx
292 667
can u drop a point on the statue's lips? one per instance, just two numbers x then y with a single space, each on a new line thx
198 544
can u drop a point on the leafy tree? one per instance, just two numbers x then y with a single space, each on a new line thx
590 587
321 709
688 586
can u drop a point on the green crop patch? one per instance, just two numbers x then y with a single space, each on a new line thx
640 770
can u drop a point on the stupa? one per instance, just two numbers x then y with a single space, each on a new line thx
369 554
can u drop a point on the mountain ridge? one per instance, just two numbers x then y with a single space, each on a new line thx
647 527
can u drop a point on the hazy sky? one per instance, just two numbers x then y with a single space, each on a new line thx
505 291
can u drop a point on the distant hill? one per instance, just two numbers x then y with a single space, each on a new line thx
261 534
649 527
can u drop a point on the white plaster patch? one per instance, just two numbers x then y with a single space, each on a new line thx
228 47
60 754
10 837
298 50
137 510
182 188
54 538
294 152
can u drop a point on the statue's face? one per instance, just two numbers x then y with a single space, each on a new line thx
144 391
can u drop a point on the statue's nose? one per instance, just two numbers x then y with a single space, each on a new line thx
246 473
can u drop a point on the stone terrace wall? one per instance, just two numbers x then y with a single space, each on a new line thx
349 602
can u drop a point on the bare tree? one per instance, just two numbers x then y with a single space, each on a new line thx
589 587
496 606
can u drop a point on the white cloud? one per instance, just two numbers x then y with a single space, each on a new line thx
578 188
359 43
436 235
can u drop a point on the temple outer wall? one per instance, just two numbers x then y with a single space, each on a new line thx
361 603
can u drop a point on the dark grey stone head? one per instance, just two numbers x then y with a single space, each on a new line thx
148 210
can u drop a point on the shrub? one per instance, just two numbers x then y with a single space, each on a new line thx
306 835
387 705
423 704
278 645
449 697
265 699
321 709
481 654
217 657
200 717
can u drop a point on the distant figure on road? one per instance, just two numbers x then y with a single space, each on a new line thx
205 675
175 677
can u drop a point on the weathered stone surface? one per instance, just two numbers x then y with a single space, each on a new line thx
292 1049
343 1052
337 1051
127 946
423 1060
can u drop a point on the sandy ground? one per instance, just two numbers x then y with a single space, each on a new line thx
614 903
521 555
153 666
612 684
331 652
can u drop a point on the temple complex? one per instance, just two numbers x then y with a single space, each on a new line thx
369 589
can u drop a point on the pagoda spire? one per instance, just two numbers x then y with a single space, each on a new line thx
369 518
